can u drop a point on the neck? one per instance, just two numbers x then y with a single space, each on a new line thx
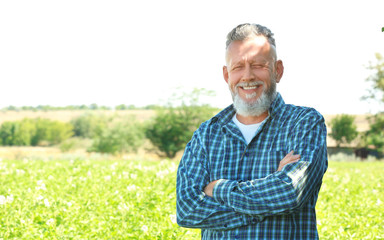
248 120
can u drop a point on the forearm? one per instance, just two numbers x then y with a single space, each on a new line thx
207 213
194 208
279 193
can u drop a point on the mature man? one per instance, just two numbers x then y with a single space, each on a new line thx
254 170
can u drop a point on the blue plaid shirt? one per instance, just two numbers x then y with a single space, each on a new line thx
254 201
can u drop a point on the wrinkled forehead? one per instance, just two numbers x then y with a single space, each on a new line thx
255 47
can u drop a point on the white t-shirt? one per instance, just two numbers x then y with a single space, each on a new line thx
248 131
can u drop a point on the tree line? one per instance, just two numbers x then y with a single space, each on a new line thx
169 131
92 106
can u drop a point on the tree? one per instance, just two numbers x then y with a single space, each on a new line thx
343 129
376 79
375 135
173 126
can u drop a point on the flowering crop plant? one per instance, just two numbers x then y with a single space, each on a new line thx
127 199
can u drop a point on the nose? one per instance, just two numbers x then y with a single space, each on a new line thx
248 74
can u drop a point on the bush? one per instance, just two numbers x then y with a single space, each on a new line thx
172 128
7 131
33 132
124 135
89 125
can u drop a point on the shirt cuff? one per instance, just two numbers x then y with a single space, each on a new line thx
222 191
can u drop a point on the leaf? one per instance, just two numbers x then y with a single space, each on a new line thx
382 29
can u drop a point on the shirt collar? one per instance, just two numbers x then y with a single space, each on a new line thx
276 106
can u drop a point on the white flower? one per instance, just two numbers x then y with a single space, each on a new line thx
378 203
46 203
133 176
41 185
123 206
9 198
2 200
69 204
173 218
39 198
144 228
107 178
50 221
20 171
162 174
131 187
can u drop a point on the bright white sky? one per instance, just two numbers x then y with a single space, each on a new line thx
77 52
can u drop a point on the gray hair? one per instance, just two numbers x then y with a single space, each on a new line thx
248 30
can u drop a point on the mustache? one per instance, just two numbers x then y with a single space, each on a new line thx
249 84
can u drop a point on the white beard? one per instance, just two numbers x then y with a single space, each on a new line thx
257 107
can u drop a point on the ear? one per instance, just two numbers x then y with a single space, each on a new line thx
225 73
279 70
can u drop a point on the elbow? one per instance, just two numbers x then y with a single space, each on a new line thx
184 222
182 217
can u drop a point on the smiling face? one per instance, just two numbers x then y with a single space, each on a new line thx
252 72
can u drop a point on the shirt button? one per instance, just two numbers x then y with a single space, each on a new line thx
225 225
254 220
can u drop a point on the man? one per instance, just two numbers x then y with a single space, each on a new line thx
254 170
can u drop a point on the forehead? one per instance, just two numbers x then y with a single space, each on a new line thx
255 48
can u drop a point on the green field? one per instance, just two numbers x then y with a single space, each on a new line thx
125 199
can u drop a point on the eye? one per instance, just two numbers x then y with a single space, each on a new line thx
237 67
258 65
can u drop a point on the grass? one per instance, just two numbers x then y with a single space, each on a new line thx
135 199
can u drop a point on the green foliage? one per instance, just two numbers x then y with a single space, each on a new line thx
33 132
375 135
173 127
343 129
350 204
376 79
89 199
7 132
125 107
123 135
58 131
115 199
89 125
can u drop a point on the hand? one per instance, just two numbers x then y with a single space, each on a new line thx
289 158
208 190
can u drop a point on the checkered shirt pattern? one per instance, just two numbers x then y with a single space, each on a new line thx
254 200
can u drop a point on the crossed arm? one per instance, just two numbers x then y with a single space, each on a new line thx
289 158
